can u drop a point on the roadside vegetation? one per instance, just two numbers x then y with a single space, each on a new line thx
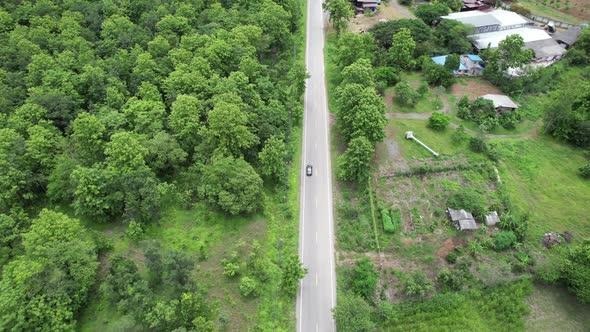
150 165
402 264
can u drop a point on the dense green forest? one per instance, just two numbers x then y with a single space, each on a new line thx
114 111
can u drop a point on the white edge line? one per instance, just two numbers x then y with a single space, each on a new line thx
302 179
329 167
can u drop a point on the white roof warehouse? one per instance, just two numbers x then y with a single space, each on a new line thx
494 26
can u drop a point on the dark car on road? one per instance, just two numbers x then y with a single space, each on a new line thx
308 170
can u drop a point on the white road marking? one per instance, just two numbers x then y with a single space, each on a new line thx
316 203
316 237
316 279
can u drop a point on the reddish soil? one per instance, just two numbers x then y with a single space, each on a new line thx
473 88
448 246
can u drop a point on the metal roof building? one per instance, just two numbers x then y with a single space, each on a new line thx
494 26
463 220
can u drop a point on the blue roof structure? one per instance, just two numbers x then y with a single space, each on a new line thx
474 57
440 60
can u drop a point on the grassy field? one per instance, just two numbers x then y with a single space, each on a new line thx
542 178
578 13
554 309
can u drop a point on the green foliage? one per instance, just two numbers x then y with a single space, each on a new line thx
402 49
341 12
585 171
389 75
134 231
231 266
504 240
352 47
387 223
459 135
353 314
361 112
354 164
359 72
452 62
46 286
272 157
437 75
451 258
454 5
364 279
232 185
477 144
576 271
567 114
248 287
416 284
383 32
450 280
438 121
292 271
405 95
431 13
500 307
470 200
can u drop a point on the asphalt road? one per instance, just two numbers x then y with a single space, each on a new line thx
317 291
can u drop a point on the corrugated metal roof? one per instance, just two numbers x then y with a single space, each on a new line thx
492 39
479 18
500 100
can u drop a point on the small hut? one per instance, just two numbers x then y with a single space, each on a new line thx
462 219
492 219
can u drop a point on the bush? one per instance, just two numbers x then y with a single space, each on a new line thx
438 121
459 135
405 95
248 287
134 231
477 144
389 75
451 257
585 171
387 224
423 89
451 280
576 271
396 219
365 279
504 240
416 284
470 200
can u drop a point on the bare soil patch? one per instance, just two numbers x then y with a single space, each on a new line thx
473 88
362 23
448 246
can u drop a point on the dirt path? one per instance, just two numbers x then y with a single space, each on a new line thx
401 9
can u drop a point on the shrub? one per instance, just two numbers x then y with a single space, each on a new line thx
416 284
504 240
477 144
451 257
389 75
450 280
422 89
231 266
438 121
459 135
248 287
576 271
134 231
585 171
364 279
387 224
405 95
470 200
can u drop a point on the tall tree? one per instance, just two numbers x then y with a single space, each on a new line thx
232 185
44 288
402 49
341 12
355 163
228 130
272 157
431 13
